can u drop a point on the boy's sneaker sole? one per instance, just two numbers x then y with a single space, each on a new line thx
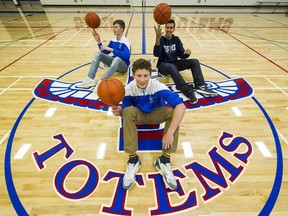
85 86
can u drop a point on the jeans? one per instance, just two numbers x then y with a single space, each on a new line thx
114 64
132 116
173 69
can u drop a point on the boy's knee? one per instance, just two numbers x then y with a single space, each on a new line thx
98 55
169 68
116 61
169 112
129 112
194 62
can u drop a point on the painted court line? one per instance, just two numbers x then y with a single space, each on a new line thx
276 86
282 137
268 88
10 86
32 50
189 32
100 154
206 28
17 89
249 47
263 149
27 76
50 112
22 151
236 111
188 153
66 41
4 137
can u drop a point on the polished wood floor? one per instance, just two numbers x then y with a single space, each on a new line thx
53 43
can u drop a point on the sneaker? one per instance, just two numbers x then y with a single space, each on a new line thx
166 171
206 91
192 97
130 174
86 83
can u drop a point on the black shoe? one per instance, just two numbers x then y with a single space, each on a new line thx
192 97
205 91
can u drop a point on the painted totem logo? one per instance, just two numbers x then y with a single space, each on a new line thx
213 181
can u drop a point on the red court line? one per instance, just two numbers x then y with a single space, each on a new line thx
135 27
255 51
32 50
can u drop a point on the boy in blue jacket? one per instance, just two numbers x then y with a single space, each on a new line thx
172 58
119 46
145 102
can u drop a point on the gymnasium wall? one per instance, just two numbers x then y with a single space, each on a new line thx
155 2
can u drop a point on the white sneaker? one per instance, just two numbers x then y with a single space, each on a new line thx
86 83
166 171
130 174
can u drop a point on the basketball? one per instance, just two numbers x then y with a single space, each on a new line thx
111 91
162 13
92 20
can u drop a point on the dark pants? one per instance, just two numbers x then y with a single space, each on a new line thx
173 69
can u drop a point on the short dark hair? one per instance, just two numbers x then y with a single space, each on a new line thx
141 64
170 21
121 23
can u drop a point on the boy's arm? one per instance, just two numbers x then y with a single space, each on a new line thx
178 116
125 54
156 50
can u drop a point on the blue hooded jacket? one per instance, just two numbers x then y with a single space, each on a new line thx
154 96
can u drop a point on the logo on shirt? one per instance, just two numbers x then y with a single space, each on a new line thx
120 46
151 99
170 48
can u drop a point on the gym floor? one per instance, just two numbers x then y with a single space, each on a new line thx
62 149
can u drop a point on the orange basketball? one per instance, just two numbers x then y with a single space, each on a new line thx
92 20
162 13
111 91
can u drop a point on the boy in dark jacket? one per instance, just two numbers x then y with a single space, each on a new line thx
172 58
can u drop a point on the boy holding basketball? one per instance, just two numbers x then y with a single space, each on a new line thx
172 58
119 46
144 103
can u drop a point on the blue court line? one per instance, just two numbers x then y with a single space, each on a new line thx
73 70
268 207
223 74
143 34
19 208
266 210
